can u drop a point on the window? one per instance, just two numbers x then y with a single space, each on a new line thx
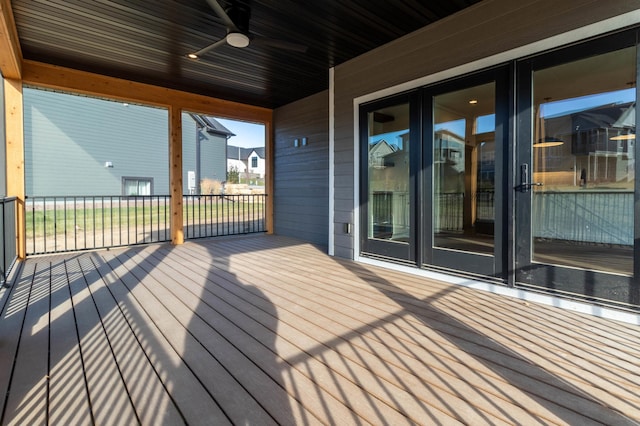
254 162
132 186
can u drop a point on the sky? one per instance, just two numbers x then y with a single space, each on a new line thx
248 135
565 106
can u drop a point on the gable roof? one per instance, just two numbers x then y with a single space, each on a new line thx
211 125
239 153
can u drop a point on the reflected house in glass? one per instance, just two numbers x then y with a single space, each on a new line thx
388 164
600 141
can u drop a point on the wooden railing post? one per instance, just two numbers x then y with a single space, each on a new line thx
175 174
14 135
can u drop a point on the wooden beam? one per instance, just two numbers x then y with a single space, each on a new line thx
15 156
175 174
66 79
55 77
10 53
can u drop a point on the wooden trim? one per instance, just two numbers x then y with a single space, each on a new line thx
175 174
66 79
269 175
10 53
55 77
14 120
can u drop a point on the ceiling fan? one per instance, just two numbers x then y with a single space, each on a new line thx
236 19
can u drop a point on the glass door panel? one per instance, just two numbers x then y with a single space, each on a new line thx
463 169
388 187
464 139
388 165
577 214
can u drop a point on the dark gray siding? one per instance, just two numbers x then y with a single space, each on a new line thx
213 160
301 194
188 150
488 28
69 138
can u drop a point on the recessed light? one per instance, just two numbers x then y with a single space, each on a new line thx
192 56
473 101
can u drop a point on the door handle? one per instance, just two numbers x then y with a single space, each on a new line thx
525 185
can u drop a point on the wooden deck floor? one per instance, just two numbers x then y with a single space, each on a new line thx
268 330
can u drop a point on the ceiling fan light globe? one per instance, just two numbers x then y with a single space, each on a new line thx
237 40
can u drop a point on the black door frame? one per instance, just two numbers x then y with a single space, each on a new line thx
399 251
482 264
597 286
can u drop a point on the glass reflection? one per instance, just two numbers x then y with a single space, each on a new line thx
463 167
388 165
583 155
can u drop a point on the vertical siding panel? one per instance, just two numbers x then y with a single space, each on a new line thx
69 138
301 195
188 149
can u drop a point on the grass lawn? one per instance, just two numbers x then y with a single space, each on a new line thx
51 221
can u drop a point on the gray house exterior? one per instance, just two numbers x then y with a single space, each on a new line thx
204 148
77 145
481 38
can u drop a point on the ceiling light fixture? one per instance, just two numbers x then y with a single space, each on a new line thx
626 137
548 141
237 40
192 56
473 101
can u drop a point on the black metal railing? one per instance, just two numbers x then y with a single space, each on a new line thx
9 254
591 216
218 215
72 223
69 223
449 210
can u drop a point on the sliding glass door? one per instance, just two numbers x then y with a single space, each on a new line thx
523 173
464 140
576 155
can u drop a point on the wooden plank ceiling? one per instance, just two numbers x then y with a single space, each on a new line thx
147 41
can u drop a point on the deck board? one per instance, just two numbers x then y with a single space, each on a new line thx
68 397
164 342
107 391
270 330
28 397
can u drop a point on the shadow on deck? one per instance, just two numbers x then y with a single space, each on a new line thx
270 330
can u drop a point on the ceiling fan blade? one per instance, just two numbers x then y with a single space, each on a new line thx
279 44
204 50
231 26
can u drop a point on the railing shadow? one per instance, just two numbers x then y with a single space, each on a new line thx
563 400
242 331
129 343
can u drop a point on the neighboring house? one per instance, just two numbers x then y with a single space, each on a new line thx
78 145
203 149
378 152
239 165
247 160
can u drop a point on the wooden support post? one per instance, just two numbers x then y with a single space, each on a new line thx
10 53
175 174
14 135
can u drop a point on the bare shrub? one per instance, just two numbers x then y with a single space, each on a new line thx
210 187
